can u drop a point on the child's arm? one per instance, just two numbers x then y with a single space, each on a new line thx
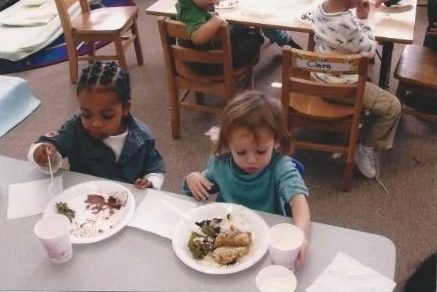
38 153
207 30
301 218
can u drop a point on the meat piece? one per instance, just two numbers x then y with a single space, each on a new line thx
233 237
226 255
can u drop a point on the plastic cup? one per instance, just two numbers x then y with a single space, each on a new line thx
285 241
276 279
54 233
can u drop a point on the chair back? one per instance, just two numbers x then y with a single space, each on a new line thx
182 76
176 56
103 25
311 104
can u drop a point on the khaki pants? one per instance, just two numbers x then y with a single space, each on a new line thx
385 110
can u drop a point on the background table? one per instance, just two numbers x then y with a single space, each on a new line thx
135 260
392 25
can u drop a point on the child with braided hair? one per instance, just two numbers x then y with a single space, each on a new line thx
104 140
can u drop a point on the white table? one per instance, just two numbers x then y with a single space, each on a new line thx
135 260
392 25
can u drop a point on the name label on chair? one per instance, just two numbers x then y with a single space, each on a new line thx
323 66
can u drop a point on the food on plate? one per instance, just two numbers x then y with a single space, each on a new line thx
227 255
391 2
226 3
97 203
62 208
102 213
224 244
233 237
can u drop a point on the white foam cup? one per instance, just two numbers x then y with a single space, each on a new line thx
285 241
276 278
54 233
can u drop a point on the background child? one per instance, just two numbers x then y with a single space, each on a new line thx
338 30
203 22
105 140
251 166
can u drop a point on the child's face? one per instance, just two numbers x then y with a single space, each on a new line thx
251 155
102 113
205 4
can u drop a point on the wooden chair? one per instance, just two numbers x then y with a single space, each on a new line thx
305 104
111 24
182 79
416 70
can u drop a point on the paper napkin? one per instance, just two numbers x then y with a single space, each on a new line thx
345 274
30 198
154 215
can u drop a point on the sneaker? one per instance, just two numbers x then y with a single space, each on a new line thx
293 44
365 160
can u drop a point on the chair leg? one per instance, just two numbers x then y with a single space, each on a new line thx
174 113
137 43
200 97
91 48
400 91
73 64
120 52
347 177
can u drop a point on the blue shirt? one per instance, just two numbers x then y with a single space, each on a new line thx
266 191
92 156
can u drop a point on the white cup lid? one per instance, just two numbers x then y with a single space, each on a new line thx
276 278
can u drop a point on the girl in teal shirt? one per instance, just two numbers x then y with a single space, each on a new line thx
251 166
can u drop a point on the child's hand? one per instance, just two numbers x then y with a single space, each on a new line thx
198 186
301 257
143 183
363 9
43 152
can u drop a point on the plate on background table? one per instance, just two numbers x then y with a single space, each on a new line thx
400 4
241 217
101 209
306 18
224 4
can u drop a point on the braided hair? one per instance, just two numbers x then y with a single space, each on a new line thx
105 76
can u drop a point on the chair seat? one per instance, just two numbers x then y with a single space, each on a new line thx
315 106
109 19
416 71
417 66
184 70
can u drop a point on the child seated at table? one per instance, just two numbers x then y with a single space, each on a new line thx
338 30
203 22
104 140
251 165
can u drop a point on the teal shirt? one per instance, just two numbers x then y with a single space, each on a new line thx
266 191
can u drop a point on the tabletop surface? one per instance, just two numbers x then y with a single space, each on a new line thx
391 24
136 260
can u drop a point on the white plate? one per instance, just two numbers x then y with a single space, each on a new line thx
223 4
242 217
101 225
402 3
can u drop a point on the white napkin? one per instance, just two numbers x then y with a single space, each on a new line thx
155 216
30 198
345 274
